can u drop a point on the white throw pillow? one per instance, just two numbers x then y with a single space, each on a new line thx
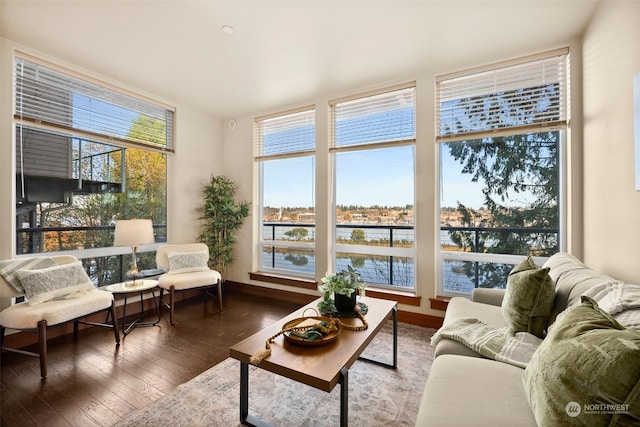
186 262
54 282
9 269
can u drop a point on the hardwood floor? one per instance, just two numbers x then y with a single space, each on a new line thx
91 382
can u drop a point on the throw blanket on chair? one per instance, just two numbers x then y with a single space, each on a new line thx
500 344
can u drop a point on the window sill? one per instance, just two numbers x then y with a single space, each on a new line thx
440 303
296 282
407 298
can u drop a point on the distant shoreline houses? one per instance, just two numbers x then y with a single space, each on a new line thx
369 215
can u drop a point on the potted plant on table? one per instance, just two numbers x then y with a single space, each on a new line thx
343 286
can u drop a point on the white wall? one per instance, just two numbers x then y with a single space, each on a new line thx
7 152
611 59
198 145
198 156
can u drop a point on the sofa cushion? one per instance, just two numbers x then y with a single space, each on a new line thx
468 391
491 296
24 316
460 308
58 281
192 280
528 301
572 279
587 361
187 262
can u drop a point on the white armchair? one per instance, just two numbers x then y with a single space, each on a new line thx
187 268
58 290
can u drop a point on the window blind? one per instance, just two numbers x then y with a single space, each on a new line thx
529 96
387 116
48 97
288 134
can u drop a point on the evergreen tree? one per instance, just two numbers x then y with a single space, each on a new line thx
520 177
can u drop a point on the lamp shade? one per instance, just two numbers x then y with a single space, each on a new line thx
133 232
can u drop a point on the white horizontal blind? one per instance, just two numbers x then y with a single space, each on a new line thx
383 117
48 97
288 134
530 96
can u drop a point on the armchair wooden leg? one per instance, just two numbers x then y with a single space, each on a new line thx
114 322
42 347
220 293
172 301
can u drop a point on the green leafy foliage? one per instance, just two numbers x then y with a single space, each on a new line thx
344 282
520 174
358 235
221 217
298 233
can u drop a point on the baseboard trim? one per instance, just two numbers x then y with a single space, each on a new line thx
21 339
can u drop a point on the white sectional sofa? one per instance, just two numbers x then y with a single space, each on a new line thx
466 389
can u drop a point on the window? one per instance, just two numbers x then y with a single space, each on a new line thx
501 133
373 143
87 154
285 153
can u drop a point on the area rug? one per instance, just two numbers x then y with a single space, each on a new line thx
378 396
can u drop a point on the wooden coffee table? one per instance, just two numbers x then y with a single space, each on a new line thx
321 366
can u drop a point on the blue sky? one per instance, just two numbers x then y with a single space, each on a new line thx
457 187
382 177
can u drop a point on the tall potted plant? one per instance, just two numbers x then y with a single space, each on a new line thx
221 217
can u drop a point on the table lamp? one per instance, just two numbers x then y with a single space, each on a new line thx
134 233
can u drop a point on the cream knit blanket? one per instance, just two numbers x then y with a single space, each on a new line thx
500 344
621 300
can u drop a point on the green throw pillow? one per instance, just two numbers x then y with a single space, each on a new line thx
586 372
528 301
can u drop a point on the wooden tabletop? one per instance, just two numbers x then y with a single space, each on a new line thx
317 366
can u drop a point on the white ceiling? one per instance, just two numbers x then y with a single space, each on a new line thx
284 52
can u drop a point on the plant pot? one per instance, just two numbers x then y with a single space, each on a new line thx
343 302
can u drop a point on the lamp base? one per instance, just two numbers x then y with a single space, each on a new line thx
133 279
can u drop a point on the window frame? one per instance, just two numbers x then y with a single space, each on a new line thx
64 129
288 149
336 149
561 125
47 79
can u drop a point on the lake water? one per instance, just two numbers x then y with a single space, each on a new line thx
378 233
372 270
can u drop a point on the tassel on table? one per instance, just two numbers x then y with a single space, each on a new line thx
261 355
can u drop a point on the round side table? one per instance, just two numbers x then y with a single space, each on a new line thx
140 286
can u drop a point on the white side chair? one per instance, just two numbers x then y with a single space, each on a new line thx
35 316
187 268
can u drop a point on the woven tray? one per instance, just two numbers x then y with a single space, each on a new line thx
309 322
